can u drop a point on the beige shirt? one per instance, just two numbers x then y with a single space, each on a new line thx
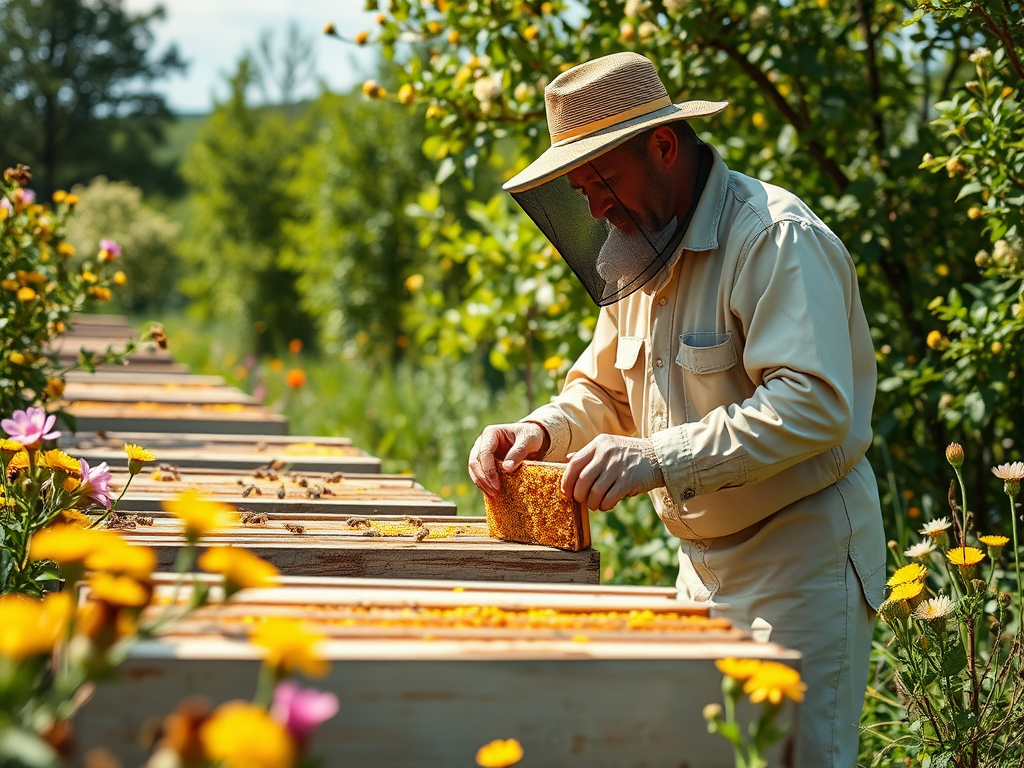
751 368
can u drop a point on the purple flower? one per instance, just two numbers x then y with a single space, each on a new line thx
96 483
301 710
25 196
109 250
29 427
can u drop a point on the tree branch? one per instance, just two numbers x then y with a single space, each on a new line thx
1003 37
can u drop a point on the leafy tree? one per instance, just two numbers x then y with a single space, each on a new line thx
71 71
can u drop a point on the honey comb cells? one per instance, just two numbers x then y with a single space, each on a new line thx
530 509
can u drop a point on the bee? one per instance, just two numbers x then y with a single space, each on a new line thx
157 334
251 517
240 482
251 489
280 491
295 527
326 491
261 446
371 532
120 522
164 467
144 520
336 477
301 481
422 533
313 493
164 477
357 522
415 522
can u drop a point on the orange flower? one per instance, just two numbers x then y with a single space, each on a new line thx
295 378
295 346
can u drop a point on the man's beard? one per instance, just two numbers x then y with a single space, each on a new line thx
624 257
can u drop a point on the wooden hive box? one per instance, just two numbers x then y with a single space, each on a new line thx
341 493
574 688
374 546
128 375
67 348
170 417
302 453
172 392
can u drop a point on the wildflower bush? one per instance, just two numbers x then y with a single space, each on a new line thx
954 660
41 285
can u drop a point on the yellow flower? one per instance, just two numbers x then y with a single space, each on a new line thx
531 32
772 681
66 544
137 455
906 591
74 517
18 461
118 556
59 461
242 735
553 363
71 199
759 121
434 112
500 753
26 294
119 590
100 293
934 339
66 249
120 278
241 568
89 277
965 556
54 389
31 627
198 515
413 283
993 541
16 357
738 669
291 645
912 572
10 447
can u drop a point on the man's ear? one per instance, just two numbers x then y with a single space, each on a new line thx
664 146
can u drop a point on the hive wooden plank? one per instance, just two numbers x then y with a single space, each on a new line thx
68 347
124 392
303 453
349 494
127 375
418 699
170 417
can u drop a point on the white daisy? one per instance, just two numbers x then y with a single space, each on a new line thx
938 607
920 550
935 528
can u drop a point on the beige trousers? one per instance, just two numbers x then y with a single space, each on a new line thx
794 570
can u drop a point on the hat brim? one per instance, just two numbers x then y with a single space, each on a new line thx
559 160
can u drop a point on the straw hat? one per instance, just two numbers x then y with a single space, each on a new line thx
598 105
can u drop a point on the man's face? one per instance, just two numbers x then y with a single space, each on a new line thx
635 183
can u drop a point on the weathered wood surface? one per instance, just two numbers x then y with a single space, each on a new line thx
634 699
154 393
69 346
300 453
349 494
128 375
328 546
170 417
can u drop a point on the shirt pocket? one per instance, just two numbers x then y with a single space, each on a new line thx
628 351
711 378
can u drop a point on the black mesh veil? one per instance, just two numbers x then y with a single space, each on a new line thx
611 261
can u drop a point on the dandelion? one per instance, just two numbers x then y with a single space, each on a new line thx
30 427
908 573
291 645
137 456
120 591
907 591
95 483
109 250
499 753
30 627
965 557
59 461
920 550
302 710
198 515
772 682
738 669
242 735
240 567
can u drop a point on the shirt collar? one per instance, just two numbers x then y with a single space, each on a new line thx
702 234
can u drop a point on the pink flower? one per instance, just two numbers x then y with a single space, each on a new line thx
29 427
96 483
5 205
25 196
109 250
301 710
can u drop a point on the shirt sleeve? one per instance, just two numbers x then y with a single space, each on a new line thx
793 295
593 401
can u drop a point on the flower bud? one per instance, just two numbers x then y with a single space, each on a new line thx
955 455
712 712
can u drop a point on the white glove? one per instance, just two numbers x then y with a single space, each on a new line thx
508 443
610 468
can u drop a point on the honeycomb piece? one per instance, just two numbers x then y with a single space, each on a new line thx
530 509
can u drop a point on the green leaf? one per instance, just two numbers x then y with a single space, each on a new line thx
954 660
22 749
889 384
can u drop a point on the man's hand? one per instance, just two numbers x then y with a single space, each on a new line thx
610 468
508 443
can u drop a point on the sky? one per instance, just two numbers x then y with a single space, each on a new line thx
212 35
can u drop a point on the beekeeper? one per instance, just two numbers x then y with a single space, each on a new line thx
731 375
